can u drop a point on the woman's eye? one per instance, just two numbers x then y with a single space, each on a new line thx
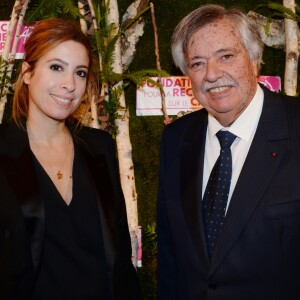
82 74
56 67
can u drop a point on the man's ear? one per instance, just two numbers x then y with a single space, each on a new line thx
255 67
25 72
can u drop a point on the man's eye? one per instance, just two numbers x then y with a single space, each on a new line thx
82 74
227 57
197 65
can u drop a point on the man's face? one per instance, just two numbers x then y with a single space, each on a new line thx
223 77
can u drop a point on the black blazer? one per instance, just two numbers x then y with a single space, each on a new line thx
22 223
257 255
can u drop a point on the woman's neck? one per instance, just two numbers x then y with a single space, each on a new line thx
47 133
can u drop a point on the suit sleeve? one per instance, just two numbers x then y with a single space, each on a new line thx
166 258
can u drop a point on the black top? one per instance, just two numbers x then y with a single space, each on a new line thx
73 264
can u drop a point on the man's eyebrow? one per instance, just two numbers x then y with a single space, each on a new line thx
219 51
230 49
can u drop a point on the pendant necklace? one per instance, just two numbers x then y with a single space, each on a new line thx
59 173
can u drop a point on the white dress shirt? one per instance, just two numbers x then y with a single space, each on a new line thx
244 127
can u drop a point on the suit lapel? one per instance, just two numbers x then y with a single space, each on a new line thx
260 166
17 164
191 166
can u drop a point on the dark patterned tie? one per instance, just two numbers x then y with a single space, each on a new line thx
216 192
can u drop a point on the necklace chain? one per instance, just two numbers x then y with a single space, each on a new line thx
59 173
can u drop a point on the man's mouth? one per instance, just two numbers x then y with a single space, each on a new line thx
218 89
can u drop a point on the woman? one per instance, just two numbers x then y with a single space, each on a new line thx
63 225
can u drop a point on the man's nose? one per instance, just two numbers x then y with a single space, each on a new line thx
213 71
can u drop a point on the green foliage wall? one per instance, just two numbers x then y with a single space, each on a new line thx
146 131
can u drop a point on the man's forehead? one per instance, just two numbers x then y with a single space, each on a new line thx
221 37
218 25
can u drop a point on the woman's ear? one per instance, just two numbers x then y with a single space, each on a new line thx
26 73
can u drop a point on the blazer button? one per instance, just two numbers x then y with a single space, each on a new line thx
212 285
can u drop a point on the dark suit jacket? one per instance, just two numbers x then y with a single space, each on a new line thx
257 255
22 223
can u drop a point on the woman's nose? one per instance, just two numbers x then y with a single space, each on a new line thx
68 83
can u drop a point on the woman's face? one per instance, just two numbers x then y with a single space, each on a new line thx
58 82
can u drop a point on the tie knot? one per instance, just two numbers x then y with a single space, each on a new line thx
225 138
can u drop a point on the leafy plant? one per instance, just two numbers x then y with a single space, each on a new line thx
5 80
105 38
280 11
45 9
149 239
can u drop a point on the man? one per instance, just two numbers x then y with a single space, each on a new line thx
246 246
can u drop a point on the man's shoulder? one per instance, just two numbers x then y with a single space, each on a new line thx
186 128
281 96
188 120
282 102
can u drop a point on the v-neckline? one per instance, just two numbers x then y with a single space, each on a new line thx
49 180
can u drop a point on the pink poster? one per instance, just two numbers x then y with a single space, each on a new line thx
25 32
273 83
179 95
139 253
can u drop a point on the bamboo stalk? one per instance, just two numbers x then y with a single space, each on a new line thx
82 21
11 59
124 146
11 27
167 120
104 85
292 52
94 116
17 17
94 21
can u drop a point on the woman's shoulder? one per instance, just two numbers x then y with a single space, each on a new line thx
94 138
3 130
11 136
91 133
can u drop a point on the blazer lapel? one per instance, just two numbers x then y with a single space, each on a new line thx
260 166
99 174
17 164
191 166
